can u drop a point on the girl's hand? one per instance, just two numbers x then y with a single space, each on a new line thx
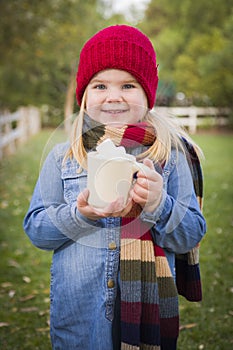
114 209
147 190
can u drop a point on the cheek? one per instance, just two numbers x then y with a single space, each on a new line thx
144 101
92 99
89 100
140 99
140 106
139 112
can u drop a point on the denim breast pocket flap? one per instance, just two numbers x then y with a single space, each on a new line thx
73 184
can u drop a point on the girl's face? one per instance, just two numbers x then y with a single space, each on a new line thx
115 97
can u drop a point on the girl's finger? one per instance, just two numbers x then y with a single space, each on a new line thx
148 162
82 198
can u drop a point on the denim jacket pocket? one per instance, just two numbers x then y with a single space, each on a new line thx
73 183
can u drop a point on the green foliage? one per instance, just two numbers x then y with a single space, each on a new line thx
209 71
40 44
24 279
194 46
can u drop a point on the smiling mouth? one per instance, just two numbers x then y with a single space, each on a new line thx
114 111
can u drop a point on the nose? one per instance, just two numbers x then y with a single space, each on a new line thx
114 95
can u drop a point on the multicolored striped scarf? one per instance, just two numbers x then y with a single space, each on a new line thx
149 294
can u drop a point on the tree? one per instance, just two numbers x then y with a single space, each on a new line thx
193 41
21 22
40 44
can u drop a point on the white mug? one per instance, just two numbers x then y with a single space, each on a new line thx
110 177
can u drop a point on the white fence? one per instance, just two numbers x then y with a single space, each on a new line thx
17 127
192 117
26 121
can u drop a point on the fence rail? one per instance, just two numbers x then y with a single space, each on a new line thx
191 117
17 127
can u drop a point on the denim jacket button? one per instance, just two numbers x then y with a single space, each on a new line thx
111 284
112 246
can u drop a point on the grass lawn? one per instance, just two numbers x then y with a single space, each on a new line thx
24 278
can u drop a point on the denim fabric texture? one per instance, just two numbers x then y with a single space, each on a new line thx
85 277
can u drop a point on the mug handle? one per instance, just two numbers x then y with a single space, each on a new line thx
139 166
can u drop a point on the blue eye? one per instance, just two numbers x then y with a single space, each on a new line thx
128 86
100 86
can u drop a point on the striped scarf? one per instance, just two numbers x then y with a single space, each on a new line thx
149 294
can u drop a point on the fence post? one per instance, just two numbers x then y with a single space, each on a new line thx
34 120
17 127
193 120
11 146
23 124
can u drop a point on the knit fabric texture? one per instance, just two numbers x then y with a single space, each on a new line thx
188 279
119 47
149 298
149 294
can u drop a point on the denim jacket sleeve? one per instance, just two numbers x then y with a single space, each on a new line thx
51 221
177 224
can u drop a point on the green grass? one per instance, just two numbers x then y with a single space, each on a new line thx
212 318
25 276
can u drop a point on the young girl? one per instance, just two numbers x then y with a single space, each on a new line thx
114 271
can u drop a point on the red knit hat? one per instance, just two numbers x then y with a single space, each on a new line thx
119 47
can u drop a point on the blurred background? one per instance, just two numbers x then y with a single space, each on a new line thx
40 42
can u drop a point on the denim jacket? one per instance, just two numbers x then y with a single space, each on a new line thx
85 268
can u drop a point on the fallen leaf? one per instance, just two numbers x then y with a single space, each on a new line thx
188 326
11 293
29 309
46 291
26 279
4 324
42 313
13 263
4 204
19 252
6 284
27 297
42 329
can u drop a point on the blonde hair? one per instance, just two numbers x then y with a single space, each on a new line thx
168 135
